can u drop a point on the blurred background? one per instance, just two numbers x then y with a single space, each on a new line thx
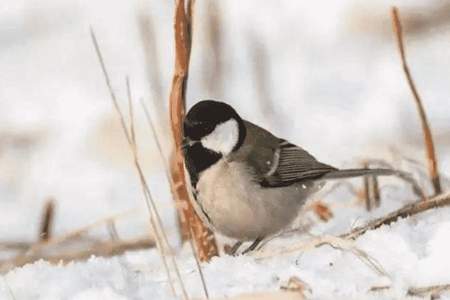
325 75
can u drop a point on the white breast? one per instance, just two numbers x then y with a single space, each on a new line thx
240 208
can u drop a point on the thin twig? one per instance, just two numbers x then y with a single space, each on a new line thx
428 137
199 267
166 169
406 211
405 176
15 245
8 287
155 219
375 191
103 249
47 221
37 247
157 140
366 187
183 227
434 290
124 267
147 195
334 242
35 250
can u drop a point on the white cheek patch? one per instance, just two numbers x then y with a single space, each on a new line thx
224 137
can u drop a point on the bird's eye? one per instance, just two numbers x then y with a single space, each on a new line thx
197 130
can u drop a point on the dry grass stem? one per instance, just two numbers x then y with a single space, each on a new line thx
371 190
103 249
434 290
379 288
15 245
54 241
404 176
334 242
8 287
367 189
157 141
184 235
34 251
375 191
155 220
428 138
199 267
166 170
203 237
47 221
406 211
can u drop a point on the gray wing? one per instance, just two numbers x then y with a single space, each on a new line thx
293 164
276 162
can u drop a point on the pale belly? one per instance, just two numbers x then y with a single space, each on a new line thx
244 210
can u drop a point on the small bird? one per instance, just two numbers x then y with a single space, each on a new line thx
246 183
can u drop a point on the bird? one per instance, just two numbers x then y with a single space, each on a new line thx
245 182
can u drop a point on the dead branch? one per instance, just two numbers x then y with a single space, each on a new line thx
15 245
366 188
101 249
204 238
428 137
47 221
406 211
434 290
375 191
404 176
334 242
54 241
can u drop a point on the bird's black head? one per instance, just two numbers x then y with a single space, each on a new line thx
212 130
216 125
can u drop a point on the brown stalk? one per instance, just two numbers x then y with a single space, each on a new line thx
406 211
203 237
375 191
428 138
404 176
169 179
15 245
36 249
371 190
47 221
366 188
104 249
434 290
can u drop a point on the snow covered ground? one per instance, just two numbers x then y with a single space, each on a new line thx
323 75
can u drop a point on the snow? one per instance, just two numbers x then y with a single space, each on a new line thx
334 85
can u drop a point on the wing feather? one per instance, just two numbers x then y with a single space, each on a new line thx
293 164
276 162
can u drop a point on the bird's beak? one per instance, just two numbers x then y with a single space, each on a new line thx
186 143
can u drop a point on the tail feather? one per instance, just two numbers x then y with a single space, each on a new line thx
348 173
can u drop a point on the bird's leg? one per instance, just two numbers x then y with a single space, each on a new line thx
235 248
252 246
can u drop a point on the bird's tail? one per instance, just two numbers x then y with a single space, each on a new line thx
348 173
